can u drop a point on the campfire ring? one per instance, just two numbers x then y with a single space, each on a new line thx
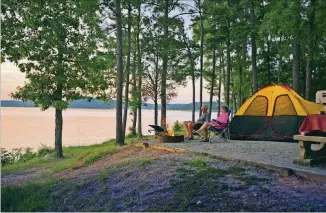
170 139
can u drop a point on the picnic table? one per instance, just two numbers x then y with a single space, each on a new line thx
315 126
311 156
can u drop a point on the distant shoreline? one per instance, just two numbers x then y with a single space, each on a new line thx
98 104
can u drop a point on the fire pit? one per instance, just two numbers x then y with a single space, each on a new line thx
170 139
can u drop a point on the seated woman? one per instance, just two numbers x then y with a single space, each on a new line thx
219 124
189 125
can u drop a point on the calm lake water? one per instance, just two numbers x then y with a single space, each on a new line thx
30 127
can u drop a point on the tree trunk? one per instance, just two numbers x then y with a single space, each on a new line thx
243 59
193 91
228 67
224 78
140 73
127 71
212 84
119 129
134 97
219 87
58 112
311 45
58 132
279 65
268 62
296 48
201 58
253 49
164 66
156 90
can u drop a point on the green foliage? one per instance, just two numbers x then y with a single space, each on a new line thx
198 162
17 155
61 63
45 150
26 198
177 126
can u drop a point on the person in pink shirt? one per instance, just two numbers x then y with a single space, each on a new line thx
219 124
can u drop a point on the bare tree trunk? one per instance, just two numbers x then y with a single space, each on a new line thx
156 91
296 49
279 65
268 63
140 73
119 129
243 58
127 71
228 67
212 84
134 97
201 57
58 132
193 91
219 86
165 67
311 45
253 49
58 112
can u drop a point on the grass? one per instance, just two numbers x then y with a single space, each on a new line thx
25 198
74 157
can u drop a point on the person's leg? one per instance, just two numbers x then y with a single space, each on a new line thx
204 126
190 127
185 126
206 133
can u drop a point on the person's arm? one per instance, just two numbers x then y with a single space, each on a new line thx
223 119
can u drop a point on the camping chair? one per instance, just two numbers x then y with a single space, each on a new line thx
225 133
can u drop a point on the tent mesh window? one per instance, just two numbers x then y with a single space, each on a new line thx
258 107
284 106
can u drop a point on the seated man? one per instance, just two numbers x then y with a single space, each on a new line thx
189 125
219 124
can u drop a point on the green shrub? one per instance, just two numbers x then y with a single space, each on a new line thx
6 157
177 126
44 150
16 155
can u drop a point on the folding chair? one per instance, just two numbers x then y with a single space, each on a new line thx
220 133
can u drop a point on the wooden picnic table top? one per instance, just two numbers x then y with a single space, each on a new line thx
319 139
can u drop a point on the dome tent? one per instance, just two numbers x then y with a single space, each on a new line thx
275 113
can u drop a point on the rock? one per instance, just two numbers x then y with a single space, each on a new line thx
285 172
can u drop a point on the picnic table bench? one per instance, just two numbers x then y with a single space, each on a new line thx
309 156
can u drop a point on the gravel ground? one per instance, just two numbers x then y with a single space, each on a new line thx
138 179
271 153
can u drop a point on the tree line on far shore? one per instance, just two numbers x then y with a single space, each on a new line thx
139 50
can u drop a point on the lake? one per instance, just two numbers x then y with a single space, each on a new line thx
30 127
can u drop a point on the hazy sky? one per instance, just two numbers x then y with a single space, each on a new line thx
11 77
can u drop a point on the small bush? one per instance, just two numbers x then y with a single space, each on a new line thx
177 126
198 162
44 150
6 157
16 155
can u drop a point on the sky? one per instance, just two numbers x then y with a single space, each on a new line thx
11 77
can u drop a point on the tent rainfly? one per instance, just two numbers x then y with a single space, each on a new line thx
274 113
